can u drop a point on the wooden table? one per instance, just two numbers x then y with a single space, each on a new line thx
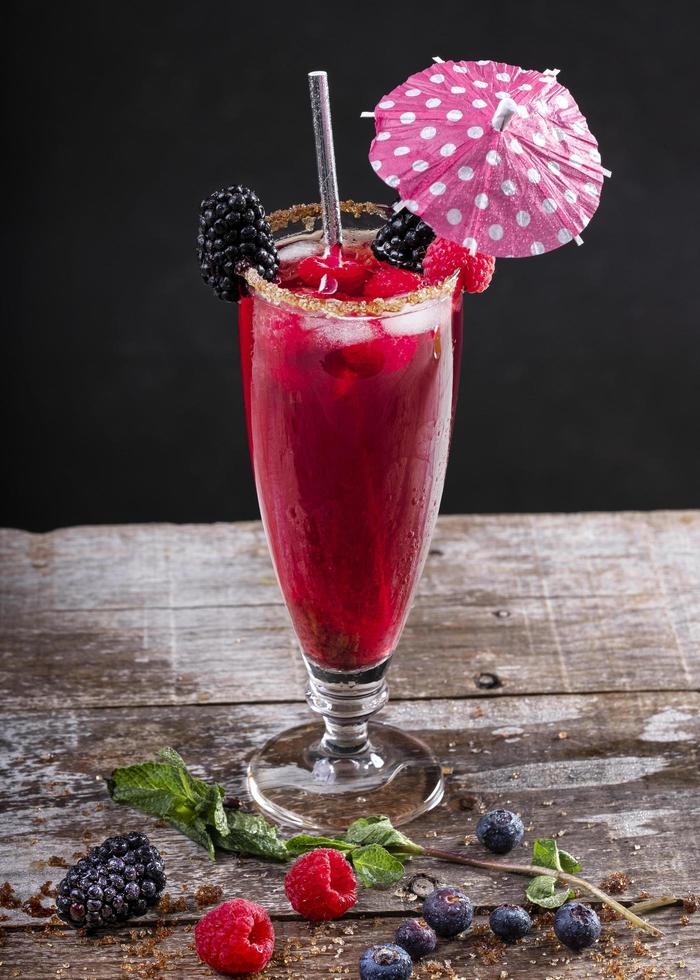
552 661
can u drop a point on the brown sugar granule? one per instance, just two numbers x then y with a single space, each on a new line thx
691 903
168 904
58 862
606 914
616 883
208 895
47 891
639 948
3 917
35 909
8 898
684 920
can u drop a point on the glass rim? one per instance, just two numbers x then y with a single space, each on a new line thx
335 307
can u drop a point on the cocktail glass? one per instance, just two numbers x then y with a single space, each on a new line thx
349 412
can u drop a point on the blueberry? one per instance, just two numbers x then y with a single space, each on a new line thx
416 937
577 925
500 831
385 962
510 922
448 911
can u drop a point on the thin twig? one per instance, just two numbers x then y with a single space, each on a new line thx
649 904
532 870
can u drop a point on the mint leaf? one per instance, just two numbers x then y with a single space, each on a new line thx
301 843
546 854
543 891
569 863
251 835
157 788
379 830
375 867
167 789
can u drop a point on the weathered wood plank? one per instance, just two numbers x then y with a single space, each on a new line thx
622 785
303 951
156 565
548 603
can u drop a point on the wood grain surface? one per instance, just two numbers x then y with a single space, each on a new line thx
566 649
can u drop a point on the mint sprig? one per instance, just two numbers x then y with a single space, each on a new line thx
165 788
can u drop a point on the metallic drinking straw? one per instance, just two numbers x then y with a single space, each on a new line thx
325 159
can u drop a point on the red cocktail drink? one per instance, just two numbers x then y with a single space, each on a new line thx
349 418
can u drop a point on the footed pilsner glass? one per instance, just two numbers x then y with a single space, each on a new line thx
349 414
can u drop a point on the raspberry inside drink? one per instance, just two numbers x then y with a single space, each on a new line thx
349 420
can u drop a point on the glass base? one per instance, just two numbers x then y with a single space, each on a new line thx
297 781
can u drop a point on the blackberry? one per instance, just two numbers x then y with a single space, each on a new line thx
403 241
500 831
234 235
120 879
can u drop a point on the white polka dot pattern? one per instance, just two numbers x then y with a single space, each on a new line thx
517 189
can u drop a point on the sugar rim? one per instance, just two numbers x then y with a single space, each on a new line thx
336 307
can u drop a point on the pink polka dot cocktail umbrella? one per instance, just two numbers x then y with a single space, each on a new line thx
496 158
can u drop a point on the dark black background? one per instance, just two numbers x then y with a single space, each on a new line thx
580 375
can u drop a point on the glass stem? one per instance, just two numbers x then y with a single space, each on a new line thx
346 700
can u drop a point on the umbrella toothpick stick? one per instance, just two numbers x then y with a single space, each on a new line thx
325 159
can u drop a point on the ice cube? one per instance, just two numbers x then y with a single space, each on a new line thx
415 320
302 249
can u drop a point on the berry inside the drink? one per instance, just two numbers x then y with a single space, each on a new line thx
349 419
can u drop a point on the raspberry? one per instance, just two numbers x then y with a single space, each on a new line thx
236 937
388 281
321 885
349 274
363 360
443 258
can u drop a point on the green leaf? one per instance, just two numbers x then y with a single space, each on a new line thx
546 854
167 789
379 830
301 843
569 863
543 891
252 835
376 867
158 788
